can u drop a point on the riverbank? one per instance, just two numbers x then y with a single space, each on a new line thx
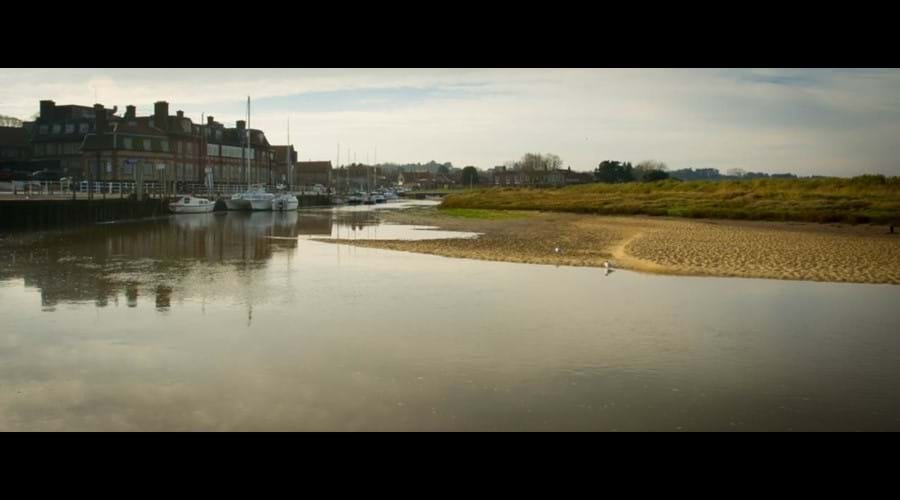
665 245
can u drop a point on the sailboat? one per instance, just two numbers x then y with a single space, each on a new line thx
287 201
255 197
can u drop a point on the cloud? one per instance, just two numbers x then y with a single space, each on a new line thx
808 121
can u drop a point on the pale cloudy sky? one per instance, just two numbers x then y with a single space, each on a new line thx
806 121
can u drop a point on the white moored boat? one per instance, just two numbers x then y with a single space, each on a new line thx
237 202
191 205
259 200
285 202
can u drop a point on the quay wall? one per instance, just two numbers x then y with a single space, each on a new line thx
42 214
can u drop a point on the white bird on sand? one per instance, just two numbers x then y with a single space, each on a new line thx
556 249
606 264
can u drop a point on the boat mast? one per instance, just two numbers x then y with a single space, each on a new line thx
248 143
290 158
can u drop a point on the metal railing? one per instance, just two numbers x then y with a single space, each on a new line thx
126 188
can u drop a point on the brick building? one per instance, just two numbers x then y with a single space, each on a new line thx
97 144
284 157
59 132
539 178
310 173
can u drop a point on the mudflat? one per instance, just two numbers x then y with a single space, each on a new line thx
757 249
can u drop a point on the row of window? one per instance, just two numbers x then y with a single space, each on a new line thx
52 149
186 171
69 128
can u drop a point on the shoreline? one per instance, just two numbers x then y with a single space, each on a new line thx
804 251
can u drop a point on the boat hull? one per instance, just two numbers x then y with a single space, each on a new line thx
261 205
285 205
201 209
233 204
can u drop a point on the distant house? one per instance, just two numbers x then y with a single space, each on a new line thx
539 178
310 173
419 180
284 157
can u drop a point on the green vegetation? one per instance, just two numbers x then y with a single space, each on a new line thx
868 198
477 213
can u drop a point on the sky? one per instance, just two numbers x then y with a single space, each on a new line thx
806 121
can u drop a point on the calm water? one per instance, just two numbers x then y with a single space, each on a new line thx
246 322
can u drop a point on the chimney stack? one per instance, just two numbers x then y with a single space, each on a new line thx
47 108
241 124
180 113
161 114
130 112
209 120
100 116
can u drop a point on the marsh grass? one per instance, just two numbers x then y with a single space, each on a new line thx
485 214
864 199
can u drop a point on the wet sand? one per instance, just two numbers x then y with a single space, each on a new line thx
780 250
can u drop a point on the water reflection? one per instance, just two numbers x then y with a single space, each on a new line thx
243 321
103 262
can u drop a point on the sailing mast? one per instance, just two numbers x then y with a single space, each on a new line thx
247 139
290 158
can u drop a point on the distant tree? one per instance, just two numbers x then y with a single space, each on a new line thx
469 176
443 169
613 172
531 162
552 161
654 175
645 168
10 121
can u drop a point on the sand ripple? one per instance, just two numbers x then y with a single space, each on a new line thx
800 251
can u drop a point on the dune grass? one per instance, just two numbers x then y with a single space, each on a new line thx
864 199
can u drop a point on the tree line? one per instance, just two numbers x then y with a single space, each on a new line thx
615 171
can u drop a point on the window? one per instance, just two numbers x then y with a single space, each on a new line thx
57 128
164 145
190 148
51 149
180 147
127 169
126 143
40 150
148 170
83 128
219 135
42 130
70 128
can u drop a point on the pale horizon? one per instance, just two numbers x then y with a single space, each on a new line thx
806 121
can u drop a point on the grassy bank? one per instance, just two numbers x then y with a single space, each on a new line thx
865 199
477 213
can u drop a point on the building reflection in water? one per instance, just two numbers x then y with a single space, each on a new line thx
163 297
99 263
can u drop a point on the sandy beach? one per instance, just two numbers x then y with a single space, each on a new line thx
780 250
